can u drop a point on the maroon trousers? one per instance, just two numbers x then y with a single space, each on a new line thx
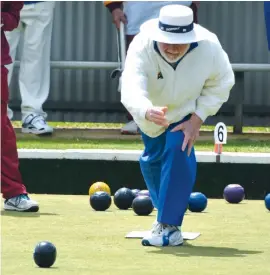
11 180
129 39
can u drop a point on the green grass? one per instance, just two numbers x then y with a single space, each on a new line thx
245 129
47 143
89 125
235 240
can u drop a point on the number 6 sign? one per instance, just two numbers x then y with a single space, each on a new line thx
220 133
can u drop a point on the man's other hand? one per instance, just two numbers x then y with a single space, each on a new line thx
191 129
157 115
118 17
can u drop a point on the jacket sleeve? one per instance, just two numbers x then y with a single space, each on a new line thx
134 80
10 17
217 87
112 5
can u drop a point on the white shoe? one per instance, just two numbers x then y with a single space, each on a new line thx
155 223
9 113
163 235
21 203
130 128
36 124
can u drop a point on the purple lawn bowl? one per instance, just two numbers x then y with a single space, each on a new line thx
143 193
135 192
234 193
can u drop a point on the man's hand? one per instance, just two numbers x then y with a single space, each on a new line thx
191 129
118 17
157 115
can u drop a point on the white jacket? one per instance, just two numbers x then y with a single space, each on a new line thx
201 82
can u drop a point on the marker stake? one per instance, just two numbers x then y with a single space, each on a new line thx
220 137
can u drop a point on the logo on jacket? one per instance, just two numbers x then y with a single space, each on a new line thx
159 75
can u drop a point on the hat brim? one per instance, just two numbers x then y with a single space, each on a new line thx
151 29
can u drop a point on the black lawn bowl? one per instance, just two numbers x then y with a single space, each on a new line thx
123 198
135 192
100 201
142 205
45 254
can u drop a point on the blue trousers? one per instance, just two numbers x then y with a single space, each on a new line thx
169 174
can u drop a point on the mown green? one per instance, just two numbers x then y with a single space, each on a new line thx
56 143
235 240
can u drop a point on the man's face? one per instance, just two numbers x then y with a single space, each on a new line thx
173 52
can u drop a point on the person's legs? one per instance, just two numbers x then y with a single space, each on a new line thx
150 164
12 187
34 79
13 39
177 176
129 39
131 127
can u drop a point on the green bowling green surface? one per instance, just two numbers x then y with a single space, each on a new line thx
235 239
253 139
89 125
239 145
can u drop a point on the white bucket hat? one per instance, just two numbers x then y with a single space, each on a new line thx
174 26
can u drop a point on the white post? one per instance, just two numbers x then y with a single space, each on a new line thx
122 45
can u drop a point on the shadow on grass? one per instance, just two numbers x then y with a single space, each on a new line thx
52 267
188 250
197 213
26 214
